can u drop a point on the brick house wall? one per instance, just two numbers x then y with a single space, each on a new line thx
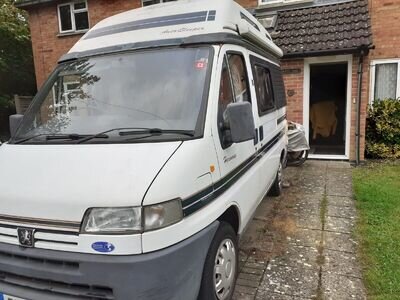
364 106
49 46
385 25
293 77
385 22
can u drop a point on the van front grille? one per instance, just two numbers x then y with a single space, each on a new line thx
50 288
44 237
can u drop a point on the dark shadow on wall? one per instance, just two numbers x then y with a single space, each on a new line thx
4 124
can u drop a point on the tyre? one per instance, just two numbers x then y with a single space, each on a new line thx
276 188
221 265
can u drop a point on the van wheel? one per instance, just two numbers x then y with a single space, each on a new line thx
276 188
221 266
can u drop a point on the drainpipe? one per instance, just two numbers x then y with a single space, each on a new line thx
358 117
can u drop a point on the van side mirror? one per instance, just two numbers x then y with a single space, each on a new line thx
239 122
15 121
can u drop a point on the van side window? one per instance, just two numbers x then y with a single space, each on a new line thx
225 95
233 87
265 96
239 77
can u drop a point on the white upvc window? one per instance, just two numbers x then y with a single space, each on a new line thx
385 79
151 2
73 17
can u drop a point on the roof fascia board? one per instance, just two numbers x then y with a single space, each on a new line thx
355 50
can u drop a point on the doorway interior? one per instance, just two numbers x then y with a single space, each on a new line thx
328 108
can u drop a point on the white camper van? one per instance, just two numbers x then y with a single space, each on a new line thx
143 157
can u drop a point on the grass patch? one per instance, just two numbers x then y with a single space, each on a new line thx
377 191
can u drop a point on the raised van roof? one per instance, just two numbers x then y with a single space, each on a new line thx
171 21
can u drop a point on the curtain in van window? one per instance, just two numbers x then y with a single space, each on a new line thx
239 77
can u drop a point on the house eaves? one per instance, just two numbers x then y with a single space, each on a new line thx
342 27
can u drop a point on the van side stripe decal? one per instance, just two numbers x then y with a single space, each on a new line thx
206 196
188 18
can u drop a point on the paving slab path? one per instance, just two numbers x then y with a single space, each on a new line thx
300 245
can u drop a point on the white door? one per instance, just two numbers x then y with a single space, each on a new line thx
320 149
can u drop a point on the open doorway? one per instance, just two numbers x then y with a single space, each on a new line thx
327 111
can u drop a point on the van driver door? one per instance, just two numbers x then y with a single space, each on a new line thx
234 158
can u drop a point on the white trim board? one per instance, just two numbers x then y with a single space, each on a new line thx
327 157
306 98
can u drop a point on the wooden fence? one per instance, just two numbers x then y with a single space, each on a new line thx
22 103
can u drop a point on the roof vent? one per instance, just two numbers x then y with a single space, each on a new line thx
244 17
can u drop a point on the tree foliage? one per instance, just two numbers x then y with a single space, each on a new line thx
16 60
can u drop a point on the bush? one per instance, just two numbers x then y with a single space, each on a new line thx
383 129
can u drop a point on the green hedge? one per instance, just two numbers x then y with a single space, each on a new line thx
383 129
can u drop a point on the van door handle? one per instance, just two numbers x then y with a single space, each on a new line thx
261 130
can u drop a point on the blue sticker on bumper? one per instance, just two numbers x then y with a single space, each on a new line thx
103 247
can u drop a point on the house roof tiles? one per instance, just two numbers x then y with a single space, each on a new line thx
336 27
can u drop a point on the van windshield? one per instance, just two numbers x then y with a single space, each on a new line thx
161 89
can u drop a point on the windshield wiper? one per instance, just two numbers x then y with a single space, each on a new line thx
149 132
157 131
50 137
27 139
73 136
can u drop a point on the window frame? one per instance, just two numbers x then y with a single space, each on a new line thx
373 76
73 11
258 62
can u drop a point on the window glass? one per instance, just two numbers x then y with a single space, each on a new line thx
385 81
239 77
225 97
263 83
65 17
81 21
225 90
162 88
150 2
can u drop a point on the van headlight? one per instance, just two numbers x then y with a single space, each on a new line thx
162 215
129 220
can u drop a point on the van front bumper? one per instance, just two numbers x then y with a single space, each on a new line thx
171 273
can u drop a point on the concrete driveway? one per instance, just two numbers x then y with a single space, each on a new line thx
300 245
